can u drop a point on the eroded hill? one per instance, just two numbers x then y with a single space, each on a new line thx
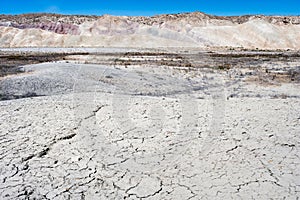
188 29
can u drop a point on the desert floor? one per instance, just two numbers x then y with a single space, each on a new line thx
118 123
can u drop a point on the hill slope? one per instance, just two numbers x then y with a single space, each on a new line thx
187 29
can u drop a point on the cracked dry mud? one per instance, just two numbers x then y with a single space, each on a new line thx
148 132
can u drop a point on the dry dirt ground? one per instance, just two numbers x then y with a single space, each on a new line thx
149 124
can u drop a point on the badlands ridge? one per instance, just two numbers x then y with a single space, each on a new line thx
175 30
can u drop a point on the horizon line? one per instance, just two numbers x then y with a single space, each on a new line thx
153 15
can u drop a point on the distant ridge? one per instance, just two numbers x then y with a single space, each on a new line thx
195 29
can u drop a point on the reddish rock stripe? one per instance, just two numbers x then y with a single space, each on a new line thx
59 28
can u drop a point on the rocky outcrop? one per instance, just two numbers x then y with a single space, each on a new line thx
187 29
194 18
59 28
46 18
61 24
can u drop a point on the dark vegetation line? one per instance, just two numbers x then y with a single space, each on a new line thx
11 62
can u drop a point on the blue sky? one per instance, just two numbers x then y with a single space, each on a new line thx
151 7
